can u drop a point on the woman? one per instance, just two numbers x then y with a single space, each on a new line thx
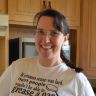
50 73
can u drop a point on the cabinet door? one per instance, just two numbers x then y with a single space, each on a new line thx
4 38
88 38
70 8
3 6
4 52
23 11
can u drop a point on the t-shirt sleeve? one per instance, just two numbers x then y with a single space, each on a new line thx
5 81
84 85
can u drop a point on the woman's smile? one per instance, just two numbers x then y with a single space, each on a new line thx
46 49
46 46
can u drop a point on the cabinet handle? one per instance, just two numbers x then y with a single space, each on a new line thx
44 5
49 4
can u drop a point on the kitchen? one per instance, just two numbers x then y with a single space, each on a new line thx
81 18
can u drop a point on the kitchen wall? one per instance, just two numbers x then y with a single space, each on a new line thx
20 31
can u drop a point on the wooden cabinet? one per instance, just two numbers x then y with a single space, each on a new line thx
70 8
4 36
88 38
3 6
23 11
3 53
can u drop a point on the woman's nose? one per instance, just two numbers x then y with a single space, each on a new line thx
46 38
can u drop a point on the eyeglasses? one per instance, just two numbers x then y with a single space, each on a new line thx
52 33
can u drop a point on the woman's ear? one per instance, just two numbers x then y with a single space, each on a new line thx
66 37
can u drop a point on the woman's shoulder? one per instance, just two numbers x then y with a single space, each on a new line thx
23 64
79 76
82 80
25 61
22 60
84 84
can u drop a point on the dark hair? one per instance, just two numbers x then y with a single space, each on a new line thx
60 24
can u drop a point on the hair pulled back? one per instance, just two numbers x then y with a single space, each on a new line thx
61 25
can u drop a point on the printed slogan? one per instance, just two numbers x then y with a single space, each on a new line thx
35 86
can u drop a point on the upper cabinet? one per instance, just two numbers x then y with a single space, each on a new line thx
23 11
3 6
88 38
70 8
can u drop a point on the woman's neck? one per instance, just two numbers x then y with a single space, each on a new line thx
50 62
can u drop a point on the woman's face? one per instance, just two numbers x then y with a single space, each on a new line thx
48 39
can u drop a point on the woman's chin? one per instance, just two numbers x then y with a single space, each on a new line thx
46 55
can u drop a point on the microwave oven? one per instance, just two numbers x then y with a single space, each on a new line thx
21 48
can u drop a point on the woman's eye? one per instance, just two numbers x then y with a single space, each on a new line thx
39 31
54 33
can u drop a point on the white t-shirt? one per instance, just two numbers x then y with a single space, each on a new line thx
26 77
